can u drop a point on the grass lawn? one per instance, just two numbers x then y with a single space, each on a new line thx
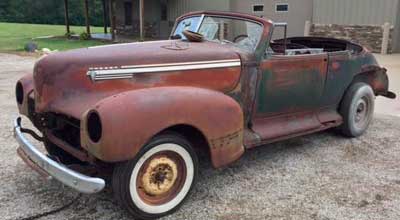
13 36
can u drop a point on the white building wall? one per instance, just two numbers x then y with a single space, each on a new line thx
179 7
299 12
355 12
176 8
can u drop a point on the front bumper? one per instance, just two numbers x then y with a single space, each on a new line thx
34 158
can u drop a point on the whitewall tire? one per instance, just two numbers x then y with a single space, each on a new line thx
158 180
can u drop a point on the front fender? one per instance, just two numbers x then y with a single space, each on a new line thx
130 119
26 83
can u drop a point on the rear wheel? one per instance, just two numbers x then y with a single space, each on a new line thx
357 109
158 179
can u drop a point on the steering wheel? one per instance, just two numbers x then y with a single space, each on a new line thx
240 36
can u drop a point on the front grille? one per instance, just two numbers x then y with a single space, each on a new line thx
31 106
65 128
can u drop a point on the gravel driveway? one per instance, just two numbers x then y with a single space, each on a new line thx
320 176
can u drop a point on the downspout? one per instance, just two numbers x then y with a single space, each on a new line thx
396 35
141 17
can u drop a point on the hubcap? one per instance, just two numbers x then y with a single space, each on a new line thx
362 113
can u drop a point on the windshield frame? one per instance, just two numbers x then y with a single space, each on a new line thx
203 16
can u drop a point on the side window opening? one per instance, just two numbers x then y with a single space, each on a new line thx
281 7
259 8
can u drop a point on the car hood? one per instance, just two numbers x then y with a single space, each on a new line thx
65 82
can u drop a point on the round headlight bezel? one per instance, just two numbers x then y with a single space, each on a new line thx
94 126
19 93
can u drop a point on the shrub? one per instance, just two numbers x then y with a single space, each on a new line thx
84 36
69 35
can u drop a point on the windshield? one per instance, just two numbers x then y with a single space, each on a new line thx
241 33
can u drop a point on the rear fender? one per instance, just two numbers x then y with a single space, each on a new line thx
130 119
377 78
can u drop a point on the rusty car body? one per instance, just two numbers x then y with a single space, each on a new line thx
101 105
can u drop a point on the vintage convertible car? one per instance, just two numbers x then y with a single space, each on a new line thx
142 112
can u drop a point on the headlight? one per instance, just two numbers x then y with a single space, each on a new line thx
94 127
19 93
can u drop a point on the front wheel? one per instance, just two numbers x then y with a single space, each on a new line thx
158 179
357 109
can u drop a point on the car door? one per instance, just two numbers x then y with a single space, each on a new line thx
289 95
290 84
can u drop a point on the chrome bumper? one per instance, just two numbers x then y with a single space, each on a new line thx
71 178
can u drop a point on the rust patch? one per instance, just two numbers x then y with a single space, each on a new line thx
335 66
131 119
227 140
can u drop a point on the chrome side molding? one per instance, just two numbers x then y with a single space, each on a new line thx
127 72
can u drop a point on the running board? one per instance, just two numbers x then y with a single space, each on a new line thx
288 126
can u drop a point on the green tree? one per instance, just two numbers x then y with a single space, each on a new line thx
49 11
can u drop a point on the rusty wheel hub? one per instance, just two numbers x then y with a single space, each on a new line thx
160 176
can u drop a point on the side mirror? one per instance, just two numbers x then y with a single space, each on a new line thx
176 37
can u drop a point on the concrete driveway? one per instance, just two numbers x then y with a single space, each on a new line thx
320 176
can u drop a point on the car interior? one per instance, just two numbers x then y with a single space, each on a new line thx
311 45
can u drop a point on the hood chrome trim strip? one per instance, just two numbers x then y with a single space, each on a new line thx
126 44
180 64
126 72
